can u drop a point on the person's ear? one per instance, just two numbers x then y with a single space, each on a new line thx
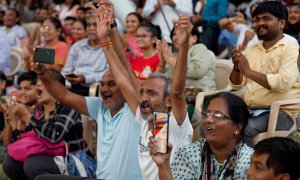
284 176
194 39
168 101
238 128
282 24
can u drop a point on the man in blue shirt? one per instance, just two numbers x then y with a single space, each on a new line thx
213 11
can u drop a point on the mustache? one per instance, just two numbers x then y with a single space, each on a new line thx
145 103
262 26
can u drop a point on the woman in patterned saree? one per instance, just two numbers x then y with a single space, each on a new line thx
221 154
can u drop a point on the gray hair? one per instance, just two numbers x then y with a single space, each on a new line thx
164 77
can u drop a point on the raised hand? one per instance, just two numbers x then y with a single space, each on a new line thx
166 50
183 26
105 17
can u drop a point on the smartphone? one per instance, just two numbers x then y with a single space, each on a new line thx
9 101
161 131
44 55
70 75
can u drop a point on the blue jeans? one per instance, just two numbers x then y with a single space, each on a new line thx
259 124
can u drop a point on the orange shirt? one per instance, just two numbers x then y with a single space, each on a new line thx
61 53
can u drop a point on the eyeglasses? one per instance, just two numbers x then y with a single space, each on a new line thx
214 115
44 28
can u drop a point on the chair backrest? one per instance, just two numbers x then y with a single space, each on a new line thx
222 72
15 64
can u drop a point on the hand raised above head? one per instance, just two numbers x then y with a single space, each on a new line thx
104 14
183 26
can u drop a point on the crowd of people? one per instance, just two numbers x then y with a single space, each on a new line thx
163 59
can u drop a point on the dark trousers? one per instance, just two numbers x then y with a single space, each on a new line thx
209 37
31 168
80 90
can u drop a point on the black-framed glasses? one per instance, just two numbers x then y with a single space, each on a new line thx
215 115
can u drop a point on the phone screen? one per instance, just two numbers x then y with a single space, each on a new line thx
161 131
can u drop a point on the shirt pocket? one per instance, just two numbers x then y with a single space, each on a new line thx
272 64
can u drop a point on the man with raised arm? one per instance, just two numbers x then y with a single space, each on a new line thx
155 94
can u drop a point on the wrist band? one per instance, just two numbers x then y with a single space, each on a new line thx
106 44
43 71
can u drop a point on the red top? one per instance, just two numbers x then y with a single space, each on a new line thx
143 67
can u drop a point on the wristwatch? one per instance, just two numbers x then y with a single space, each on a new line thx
113 25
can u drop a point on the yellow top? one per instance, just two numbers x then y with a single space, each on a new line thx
279 63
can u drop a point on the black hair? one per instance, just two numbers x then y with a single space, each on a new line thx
194 32
155 30
70 18
293 5
57 25
82 9
237 108
56 76
137 15
3 78
17 14
28 76
83 22
284 155
275 8
244 13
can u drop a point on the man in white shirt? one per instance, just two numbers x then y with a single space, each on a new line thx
154 94
12 29
171 10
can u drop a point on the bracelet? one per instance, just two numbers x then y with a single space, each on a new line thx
106 44
43 71
236 68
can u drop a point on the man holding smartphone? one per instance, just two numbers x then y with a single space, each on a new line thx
155 94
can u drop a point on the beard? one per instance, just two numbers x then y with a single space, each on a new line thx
264 36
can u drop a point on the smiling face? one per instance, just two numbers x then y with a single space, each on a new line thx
219 131
49 31
78 30
152 97
27 93
294 16
144 38
267 26
132 24
110 93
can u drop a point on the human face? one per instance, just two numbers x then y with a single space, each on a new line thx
152 97
78 30
132 23
110 93
42 94
294 15
69 24
219 131
10 18
259 169
192 40
268 26
27 93
49 32
91 28
144 38
240 18
80 14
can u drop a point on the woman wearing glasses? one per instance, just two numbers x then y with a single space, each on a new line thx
222 154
